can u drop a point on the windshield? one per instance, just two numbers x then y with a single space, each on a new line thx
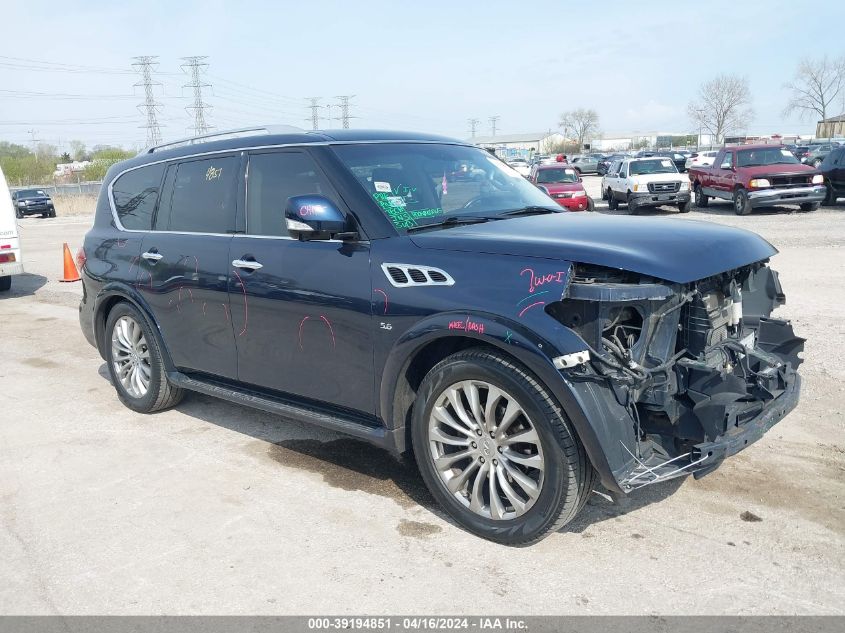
557 175
416 184
653 166
765 156
31 193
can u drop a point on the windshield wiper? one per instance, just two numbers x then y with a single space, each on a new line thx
532 210
455 220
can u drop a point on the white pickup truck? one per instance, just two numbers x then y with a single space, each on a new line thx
645 182
10 248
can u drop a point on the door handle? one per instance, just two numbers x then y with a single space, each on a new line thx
243 263
151 256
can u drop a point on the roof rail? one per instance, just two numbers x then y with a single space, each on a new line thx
255 130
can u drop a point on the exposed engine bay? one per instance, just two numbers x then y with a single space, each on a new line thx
702 368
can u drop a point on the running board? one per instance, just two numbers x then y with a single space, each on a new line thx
366 429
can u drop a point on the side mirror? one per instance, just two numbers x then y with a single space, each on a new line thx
313 217
725 166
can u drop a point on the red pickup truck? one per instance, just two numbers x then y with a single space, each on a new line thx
754 176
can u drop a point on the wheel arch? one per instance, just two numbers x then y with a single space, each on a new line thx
110 296
412 359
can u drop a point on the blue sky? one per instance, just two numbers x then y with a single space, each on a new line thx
424 65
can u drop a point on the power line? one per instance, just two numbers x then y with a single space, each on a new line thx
196 65
344 110
493 120
145 64
315 112
473 124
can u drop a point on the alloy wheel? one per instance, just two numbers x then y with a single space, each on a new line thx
486 450
131 357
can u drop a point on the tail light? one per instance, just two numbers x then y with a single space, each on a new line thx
80 258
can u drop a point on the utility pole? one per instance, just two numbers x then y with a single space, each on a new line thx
34 141
145 64
194 66
344 110
315 112
473 125
493 120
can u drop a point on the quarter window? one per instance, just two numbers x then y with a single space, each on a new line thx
273 178
203 198
135 196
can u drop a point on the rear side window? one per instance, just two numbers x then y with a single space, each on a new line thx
135 195
203 197
273 178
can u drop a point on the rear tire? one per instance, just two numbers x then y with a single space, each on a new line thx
742 205
18 214
551 463
135 362
633 207
701 200
612 202
5 283
591 206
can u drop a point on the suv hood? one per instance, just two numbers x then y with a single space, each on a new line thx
680 251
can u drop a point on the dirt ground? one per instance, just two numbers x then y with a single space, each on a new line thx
214 508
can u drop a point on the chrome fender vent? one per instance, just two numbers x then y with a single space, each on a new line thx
410 275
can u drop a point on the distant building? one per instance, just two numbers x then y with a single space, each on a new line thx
66 169
522 145
830 127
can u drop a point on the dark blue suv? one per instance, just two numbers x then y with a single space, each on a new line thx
362 282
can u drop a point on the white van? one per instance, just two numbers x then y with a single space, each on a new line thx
10 246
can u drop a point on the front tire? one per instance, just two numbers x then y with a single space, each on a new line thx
633 207
742 205
684 207
135 362
18 214
591 206
701 200
829 196
496 450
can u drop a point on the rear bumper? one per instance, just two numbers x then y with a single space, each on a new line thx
11 268
799 195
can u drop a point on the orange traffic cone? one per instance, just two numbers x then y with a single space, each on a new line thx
71 274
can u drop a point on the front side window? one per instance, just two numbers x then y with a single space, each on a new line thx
273 178
203 198
727 161
135 195
415 184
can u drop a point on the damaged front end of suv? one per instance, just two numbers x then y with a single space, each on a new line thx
678 376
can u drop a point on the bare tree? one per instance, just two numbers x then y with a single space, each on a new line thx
723 105
77 150
583 123
816 85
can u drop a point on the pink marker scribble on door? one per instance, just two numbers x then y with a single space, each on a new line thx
196 263
246 306
132 265
225 311
328 325
203 308
383 294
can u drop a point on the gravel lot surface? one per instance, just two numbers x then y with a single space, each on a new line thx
216 509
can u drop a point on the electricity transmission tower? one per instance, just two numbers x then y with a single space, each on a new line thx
493 121
315 112
344 110
194 66
145 65
473 124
